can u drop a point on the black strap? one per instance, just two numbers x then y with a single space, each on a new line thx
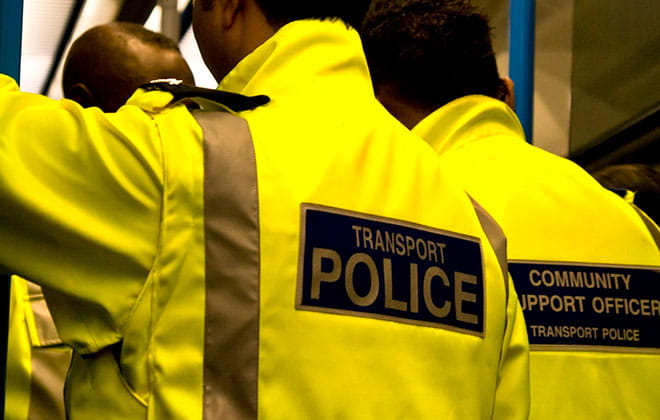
621 192
234 101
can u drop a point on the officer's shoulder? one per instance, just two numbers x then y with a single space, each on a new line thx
205 98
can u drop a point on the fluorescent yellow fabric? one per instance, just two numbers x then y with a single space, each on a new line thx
89 201
37 360
323 124
551 210
106 212
19 369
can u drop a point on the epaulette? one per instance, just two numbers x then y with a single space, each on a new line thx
180 91
621 192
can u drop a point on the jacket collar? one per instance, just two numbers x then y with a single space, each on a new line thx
466 120
296 56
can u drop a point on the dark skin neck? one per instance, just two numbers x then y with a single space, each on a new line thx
410 112
407 111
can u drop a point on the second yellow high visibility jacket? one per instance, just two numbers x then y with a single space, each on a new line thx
37 360
305 259
584 262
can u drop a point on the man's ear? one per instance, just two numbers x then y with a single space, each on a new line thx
510 97
80 93
230 9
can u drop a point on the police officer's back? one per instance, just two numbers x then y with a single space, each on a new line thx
306 258
103 67
585 264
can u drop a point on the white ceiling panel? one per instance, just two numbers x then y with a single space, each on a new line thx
43 24
94 12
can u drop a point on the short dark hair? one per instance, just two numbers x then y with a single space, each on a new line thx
108 62
135 31
431 51
280 12
108 34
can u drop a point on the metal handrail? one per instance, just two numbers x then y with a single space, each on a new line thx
521 60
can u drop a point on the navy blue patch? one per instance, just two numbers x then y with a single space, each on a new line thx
363 265
589 305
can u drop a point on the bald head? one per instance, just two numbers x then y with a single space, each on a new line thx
108 62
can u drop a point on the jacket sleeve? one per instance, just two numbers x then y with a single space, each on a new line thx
513 393
80 203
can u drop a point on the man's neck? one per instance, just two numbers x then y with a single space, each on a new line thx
408 112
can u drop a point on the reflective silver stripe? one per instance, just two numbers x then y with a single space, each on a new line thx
231 215
49 368
50 361
650 225
46 330
496 238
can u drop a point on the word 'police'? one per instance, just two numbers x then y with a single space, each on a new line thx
435 283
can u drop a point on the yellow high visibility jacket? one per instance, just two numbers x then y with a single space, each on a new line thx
306 260
585 264
37 360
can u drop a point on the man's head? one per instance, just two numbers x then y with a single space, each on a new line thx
423 54
108 62
643 180
228 30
